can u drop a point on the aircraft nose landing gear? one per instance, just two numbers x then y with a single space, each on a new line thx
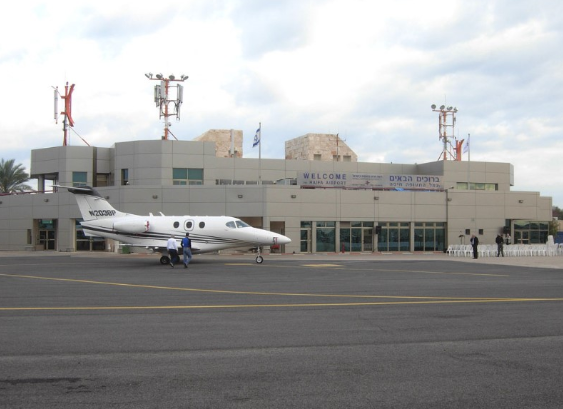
259 258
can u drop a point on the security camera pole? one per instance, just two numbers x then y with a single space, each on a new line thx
161 98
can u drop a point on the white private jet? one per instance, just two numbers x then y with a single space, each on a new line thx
207 233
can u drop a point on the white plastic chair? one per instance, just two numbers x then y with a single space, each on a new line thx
468 250
510 250
483 250
541 250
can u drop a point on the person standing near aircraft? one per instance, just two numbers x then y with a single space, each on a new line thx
172 247
500 244
475 244
187 249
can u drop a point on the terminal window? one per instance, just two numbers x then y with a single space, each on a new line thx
476 186
187 176
79 178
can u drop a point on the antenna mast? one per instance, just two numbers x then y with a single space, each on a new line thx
162 98
67 121
446 131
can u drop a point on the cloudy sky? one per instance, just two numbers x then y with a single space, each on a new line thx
368 70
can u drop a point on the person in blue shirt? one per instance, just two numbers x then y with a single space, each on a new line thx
187 247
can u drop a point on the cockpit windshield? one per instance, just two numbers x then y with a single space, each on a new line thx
236 224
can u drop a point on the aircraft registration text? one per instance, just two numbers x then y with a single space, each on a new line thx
102 212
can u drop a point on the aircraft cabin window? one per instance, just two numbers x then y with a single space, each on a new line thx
201 225
241 224
189 225
231 225
176 224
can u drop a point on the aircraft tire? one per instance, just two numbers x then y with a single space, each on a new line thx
259 259
164 260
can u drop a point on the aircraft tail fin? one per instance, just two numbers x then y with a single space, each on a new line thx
92 205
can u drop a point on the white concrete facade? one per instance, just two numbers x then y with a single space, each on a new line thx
317 220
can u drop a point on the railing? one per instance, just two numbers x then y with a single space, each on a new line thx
510 250
27 192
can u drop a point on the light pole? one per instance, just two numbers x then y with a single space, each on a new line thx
446 131
161 98
448 199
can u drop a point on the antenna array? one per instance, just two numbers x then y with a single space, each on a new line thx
163 100
446 131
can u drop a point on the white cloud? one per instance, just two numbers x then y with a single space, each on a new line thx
368 70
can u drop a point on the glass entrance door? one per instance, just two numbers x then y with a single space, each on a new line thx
356 236
47 234
305 236
394 237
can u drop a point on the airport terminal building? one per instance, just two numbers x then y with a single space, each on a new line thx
320 196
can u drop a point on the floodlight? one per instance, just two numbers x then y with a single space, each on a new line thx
184 77
433 106
441 106
172 77
159 76
147 75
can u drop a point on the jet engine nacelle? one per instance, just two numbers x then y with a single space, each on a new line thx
132 226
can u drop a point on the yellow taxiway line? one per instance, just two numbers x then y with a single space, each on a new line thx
157 287
193 307
407 300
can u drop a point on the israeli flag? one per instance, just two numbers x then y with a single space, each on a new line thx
256 138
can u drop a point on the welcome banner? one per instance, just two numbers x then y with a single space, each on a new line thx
369 181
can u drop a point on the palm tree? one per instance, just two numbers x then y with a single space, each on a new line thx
12 178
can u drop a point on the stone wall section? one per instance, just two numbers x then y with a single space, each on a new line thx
222 139
316 146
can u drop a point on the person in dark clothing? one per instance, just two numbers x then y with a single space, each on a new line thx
475 243
187 249
500 245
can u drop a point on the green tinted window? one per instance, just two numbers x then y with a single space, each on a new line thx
79 178
179 173
195 174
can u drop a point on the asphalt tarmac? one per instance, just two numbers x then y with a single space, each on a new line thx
85 330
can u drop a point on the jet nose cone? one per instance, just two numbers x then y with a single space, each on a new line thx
282 239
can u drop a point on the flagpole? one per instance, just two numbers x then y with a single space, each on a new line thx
469 160
263 224
260 153
469 147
